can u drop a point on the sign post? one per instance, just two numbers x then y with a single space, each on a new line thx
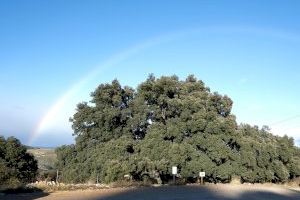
201 174
56 176
174 172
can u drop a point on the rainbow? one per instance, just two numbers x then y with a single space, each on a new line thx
44 122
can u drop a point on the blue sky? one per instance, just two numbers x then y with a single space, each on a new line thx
54 53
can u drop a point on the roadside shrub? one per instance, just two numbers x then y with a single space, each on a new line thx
17 167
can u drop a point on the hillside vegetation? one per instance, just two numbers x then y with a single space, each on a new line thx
46 157
170 122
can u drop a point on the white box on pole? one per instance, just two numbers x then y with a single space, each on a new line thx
202 174
174 170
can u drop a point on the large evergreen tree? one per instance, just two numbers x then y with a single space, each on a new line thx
168 122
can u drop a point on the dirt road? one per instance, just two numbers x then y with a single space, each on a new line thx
193 192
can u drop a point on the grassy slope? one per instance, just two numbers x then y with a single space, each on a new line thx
46 157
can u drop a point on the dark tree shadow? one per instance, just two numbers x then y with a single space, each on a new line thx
22 194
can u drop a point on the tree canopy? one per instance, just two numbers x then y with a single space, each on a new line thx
17 167
169 122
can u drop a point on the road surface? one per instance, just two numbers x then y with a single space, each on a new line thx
192 192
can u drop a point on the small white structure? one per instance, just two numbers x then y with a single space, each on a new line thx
174 170
202 174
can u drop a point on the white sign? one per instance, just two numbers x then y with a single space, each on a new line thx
202 174
174 170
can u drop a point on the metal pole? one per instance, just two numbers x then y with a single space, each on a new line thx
56 176
174 179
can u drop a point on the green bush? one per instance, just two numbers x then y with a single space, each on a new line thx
17 167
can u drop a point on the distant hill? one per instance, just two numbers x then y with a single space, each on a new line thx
30 147
46 157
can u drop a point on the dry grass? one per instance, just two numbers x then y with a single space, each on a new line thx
235 180
294 183
67 187
72 187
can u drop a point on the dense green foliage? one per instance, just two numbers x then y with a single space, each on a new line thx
168 122
17 167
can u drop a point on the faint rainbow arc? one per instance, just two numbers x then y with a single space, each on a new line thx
117 58
113 60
